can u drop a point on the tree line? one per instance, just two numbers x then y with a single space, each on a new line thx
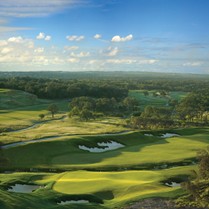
99 88
191 110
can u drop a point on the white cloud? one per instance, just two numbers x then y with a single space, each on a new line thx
80 55
40 60
39 50
121 61
122 39
3 43
57 60
6 50
192 64
4 29
31 8
98 36
18 39
112 51
48 38
132 61
73 60
40 36
71 48
92 62
75 38
148 61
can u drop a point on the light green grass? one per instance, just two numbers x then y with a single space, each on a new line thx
63 127
19 109
123 186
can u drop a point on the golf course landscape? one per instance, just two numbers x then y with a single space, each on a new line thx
61 161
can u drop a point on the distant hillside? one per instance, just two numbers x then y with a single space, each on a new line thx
10 99
103 74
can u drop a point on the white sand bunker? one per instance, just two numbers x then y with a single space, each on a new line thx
23 188
168 135
102 147
148 134
73 202
173 184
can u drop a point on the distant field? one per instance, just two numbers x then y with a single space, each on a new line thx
155 100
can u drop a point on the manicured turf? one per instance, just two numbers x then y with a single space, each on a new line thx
115 177
121 186
110 188
155 100
139 149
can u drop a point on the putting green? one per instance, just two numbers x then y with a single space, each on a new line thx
123 186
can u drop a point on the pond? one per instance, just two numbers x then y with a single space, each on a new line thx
102 147
23 188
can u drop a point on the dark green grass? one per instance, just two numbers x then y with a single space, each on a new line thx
158 101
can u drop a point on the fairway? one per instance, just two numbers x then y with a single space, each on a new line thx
160 101
138 150
124 186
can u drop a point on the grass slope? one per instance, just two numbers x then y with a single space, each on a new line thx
63 152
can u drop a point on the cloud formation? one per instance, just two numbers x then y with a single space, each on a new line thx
75 38
31 8
112 51
80 55
192 64
71 48
122 39
98 36
42 36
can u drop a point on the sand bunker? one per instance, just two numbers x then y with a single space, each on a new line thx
173 184
169 135
148 134
102 147
73 202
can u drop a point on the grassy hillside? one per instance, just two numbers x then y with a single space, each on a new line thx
139 150
20 109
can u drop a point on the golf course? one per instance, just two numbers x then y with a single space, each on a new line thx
61 161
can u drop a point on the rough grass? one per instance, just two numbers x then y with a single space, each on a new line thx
65 126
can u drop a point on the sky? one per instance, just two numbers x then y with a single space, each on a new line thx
105 35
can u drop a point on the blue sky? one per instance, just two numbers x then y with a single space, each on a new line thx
105 35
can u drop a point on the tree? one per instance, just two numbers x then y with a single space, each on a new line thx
203 157
53 108
198 187
41 116
3 160
146 93
86 115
